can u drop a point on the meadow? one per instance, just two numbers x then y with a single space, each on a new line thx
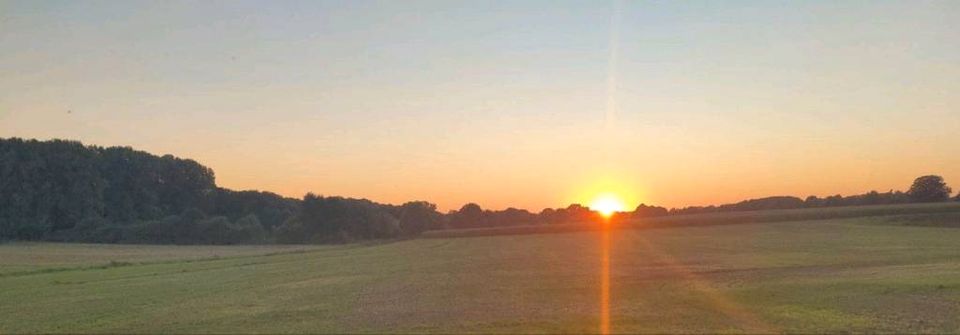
888 273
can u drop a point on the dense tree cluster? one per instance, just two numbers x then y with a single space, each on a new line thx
337 219
472 216
645 211
50 190
65 191
572 213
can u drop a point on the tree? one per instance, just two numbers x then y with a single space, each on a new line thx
470 215
338 219
813 201
270 209
777 202
512 217
291 231
930 188
417 216
249 230
215 230
645 211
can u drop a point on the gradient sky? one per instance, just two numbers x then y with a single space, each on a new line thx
525 104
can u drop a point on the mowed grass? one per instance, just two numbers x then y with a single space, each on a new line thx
878 274
27 257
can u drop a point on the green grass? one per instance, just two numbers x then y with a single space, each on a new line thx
877 274
17 258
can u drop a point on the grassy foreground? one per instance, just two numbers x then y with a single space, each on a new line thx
878 274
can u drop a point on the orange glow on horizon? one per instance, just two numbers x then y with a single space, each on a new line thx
607 204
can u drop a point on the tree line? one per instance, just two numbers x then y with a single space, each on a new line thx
62 190
924 189
930 188
65 191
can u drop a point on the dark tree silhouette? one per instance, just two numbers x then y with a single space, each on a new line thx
469 216
418 216
778 202
644 211
64 191
930 188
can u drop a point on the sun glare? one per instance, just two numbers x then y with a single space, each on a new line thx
607 204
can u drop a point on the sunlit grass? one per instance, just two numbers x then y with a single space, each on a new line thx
857 275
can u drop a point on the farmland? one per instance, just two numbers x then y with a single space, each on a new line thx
896 273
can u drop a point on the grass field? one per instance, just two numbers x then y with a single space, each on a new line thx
27 257
873 274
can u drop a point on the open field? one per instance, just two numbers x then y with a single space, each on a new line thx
875 274
28 257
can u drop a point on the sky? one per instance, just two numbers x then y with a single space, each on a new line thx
526 104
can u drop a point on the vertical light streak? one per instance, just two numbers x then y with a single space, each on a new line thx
605 280
609 123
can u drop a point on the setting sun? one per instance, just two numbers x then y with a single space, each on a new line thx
463 167
607 204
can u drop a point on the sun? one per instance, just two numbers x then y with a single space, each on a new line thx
607 204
